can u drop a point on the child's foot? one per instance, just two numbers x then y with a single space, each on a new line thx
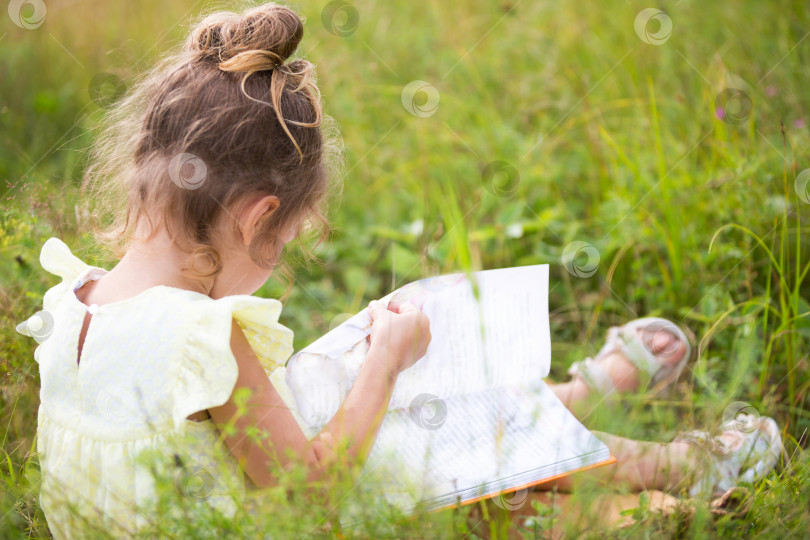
743 449
647 353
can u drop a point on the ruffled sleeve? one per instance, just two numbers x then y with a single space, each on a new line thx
207 372
57 259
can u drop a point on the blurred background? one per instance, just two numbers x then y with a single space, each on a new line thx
656 157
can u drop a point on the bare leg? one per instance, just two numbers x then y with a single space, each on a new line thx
571 392
575 393
642 465
654 468
621 371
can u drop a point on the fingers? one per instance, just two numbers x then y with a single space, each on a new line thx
407 308
375 310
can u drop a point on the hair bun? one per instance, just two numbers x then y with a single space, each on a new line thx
262 38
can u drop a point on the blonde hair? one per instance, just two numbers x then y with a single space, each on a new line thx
225 118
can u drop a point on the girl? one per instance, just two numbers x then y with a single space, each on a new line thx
220 157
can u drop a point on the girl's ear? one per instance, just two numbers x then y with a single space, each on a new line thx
255 213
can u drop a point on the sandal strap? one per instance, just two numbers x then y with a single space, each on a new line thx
749 463
594 375
626 340
634 350
651 365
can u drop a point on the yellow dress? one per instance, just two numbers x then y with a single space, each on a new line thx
113 425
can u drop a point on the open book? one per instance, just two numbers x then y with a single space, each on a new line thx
473 417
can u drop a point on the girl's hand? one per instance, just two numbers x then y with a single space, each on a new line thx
402 330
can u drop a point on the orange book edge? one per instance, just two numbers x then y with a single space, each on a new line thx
610 461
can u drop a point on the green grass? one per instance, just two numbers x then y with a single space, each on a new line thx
615 142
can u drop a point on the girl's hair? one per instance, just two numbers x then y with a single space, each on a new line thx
225 119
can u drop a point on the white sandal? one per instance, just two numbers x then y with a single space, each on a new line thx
627 340
752 455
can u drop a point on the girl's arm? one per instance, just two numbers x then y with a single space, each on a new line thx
398 339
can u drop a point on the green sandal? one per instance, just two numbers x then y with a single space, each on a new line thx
656 376
750 454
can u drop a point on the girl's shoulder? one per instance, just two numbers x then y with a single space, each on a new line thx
196 328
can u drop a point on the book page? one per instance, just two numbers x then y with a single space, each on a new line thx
479 444
493 336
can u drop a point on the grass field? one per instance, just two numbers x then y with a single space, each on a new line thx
657 168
